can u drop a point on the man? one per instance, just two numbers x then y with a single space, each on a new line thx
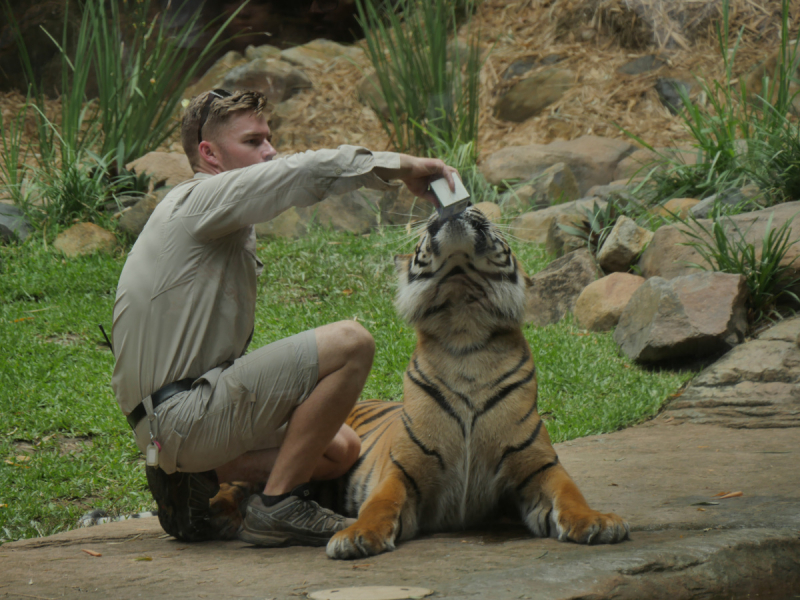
202 411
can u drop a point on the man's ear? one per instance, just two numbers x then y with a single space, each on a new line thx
208 153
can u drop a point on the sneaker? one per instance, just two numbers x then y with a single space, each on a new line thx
294 521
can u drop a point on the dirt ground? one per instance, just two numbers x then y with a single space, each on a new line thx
687 542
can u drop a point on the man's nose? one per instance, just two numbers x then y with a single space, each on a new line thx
269 151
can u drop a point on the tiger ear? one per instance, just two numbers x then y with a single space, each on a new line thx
401 262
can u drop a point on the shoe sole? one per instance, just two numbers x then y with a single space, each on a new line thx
278 539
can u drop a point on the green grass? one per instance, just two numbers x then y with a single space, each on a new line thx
58 410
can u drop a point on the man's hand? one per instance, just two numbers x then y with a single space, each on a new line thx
417 174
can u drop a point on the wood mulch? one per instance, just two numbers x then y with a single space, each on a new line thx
593 38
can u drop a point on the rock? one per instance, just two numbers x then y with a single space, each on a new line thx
729 200
523 65
356 212
554 291
534 226
643 64
214 77
557 184
688 317
132 221
490 210
260 52
121 203
600 304
669 92
591 159
13 224
560 242
165 168
521 198
616 190
317 53
285 111
403 207
623 245
637 163
289 224
668 257
85 238
274 78
369 93
755 385
677 207
530 96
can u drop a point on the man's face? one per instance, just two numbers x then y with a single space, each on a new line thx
244 141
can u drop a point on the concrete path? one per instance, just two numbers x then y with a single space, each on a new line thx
657 475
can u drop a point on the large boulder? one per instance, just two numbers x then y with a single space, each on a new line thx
165 168
688 317
554 291
591 159
215 75
318 53
601 303
356 212
276 79
133 219
730 199
85 238
535 226
625 242
555 185
560 237
676 207
667 255
13 224
755 385
530 96
490 210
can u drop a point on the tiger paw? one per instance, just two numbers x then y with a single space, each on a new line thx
358 541
591 527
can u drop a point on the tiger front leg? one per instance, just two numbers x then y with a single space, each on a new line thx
551 503
378 522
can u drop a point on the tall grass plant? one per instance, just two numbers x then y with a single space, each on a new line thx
771 278
739 136
140 65
430 82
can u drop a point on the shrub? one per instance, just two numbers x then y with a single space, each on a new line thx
739 137
724 247
430 85
140 71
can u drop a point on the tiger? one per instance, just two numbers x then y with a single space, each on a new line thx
467 438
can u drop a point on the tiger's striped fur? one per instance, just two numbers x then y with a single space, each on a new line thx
467 434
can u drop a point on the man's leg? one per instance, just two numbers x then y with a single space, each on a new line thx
315 444
256 465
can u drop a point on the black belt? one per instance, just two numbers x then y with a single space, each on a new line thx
158 397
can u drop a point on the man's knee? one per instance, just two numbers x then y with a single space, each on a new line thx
355 343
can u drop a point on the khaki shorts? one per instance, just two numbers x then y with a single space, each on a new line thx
248 408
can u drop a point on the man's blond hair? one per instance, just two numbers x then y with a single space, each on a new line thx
219 112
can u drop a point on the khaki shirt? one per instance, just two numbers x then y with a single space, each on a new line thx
185 304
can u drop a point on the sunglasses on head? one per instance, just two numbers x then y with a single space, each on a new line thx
212 95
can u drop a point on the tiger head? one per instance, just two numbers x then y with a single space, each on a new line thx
463 284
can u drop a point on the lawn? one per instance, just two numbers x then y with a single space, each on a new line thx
67 449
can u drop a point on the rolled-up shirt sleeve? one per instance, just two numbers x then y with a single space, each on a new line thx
224 203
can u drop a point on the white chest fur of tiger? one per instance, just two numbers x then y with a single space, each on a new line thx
467 434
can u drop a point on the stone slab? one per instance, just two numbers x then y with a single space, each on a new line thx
653 474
